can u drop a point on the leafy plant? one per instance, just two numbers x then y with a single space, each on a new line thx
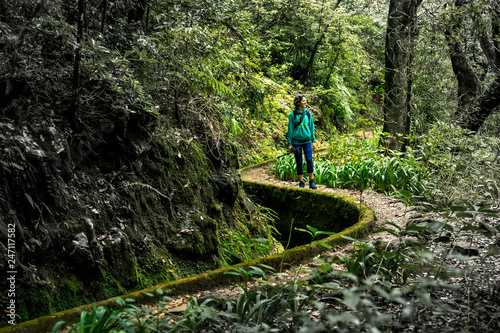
249 273
244 245
384 174
315 233
126 317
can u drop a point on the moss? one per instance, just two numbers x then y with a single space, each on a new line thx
67 292
298 208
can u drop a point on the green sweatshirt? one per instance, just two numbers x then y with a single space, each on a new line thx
303 133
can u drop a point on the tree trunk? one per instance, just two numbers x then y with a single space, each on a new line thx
485 104
103 18
474 106
469 87
306 71
399 45
136 13
315 49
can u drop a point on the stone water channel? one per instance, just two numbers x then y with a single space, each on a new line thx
296 208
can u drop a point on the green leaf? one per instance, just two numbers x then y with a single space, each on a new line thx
386 230
448 227
493 250
304 230
267 267
261 240
351 298
313 229
393 224
57 326
232 253
348 238
435 226
329 233
489 230
414 228
470 228
325 245
407 194
120 301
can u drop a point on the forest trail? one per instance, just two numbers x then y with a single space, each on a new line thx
386 209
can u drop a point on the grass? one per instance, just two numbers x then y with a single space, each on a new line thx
384 174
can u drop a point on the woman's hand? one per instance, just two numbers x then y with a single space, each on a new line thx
314 146
290 147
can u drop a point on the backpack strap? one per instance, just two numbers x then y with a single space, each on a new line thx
301 117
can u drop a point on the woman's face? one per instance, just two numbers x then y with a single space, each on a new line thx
303 102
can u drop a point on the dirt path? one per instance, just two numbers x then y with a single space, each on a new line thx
386 209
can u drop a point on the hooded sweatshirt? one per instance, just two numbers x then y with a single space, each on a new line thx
303 133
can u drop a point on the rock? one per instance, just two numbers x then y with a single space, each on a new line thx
81 242
466 248
81 249
420 221
120 257
31 147
444 238
417 209
225 187
412 215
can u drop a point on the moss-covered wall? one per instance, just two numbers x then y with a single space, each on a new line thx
298 208
104 212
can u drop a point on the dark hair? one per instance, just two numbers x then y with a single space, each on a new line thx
297 100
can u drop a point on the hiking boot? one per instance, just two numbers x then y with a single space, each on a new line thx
312 184
302 184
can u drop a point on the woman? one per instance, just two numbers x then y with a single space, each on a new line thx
300 137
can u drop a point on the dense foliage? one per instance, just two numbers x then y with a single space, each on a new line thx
220 76
229 68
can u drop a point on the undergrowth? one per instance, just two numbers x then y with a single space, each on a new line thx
400 287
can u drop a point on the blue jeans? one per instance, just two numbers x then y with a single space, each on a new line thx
307 147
